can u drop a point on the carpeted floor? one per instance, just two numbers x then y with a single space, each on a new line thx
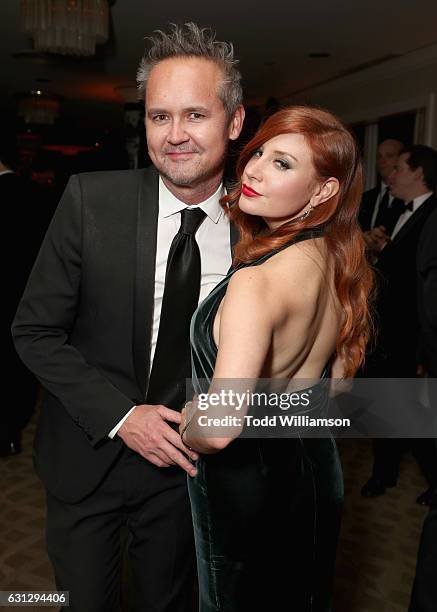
379 537
377 552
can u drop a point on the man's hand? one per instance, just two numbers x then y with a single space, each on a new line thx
376 239
146 432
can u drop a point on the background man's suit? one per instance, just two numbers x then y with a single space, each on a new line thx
367 209
397 299
105 229
427 294
395 355
424 596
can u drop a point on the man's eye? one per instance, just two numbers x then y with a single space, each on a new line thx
196 115
159 118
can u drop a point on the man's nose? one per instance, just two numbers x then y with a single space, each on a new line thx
177 133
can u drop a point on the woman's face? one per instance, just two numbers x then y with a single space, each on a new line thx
279 181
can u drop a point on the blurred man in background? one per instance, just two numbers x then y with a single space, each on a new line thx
413 180
424 596
21 220
379 207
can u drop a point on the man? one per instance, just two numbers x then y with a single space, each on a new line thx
379 207
104 324
413 179
427 294
424 596
22 216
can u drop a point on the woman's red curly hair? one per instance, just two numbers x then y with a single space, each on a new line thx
335 154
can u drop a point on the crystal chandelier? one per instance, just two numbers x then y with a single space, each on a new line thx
66 27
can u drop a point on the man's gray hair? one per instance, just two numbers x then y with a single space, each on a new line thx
190 40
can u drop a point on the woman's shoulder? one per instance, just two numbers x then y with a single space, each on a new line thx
248 283
291 277
305 265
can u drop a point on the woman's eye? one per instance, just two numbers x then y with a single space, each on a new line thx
257 153
282 164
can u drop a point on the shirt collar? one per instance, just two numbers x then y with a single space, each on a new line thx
7 172
383 190
420 200
169 203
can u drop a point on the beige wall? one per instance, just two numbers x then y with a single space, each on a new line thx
405 83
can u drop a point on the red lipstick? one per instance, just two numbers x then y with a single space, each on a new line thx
249 192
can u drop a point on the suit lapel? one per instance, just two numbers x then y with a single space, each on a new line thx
415 218
374 197
367 207
147 219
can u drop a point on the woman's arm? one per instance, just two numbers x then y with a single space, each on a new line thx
246 328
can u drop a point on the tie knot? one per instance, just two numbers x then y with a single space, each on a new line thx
409 206
191 218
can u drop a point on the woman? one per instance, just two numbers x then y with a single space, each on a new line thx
266 512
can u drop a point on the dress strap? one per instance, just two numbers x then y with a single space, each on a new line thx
306 234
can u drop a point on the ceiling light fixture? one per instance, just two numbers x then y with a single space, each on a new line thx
38 108
66 27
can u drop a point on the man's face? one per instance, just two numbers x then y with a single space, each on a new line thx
386 157
402 179
186 124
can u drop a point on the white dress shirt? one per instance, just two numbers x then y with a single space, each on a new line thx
213 238
381 193
417 203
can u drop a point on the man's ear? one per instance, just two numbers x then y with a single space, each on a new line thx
236 124
326 191
418 174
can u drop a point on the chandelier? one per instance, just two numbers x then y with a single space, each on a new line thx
66 27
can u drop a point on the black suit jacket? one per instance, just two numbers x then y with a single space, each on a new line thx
84 323
427 293
397 339
367 208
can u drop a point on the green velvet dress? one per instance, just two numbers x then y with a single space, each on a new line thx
266 512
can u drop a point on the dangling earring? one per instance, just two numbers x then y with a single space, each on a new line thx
305 214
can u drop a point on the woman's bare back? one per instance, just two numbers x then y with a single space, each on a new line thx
296 288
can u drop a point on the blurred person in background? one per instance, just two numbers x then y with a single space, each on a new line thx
424 596
413 180
23 223
379 207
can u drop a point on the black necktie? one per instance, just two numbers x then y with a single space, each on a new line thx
409 206
382 210
172 359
